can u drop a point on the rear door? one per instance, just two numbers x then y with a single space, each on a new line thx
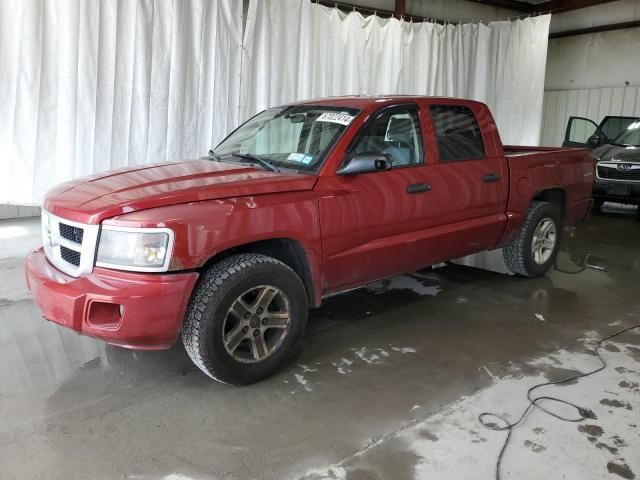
470 179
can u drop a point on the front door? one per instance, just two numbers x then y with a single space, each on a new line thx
581 132
370 221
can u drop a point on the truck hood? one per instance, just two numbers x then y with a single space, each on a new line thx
617 153
93 199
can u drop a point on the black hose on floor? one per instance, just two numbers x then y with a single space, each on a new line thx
583 413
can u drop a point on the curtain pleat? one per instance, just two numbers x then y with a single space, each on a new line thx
298 50
91 85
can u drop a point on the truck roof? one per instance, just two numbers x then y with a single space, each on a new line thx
363 101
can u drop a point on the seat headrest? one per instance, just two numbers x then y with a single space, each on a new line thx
399 129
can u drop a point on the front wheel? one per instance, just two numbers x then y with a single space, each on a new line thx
246 317
534 249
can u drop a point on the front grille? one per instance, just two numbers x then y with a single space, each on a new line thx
70 256
71 233
69 246
615 174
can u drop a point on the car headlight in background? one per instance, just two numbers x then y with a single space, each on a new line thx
135 249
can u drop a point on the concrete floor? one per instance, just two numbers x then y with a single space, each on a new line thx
388 386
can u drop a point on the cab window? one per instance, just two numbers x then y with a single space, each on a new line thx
457 132
395 133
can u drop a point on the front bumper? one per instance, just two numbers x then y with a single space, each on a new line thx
133 310
617 191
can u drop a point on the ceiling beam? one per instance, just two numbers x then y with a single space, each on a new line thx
599 28
510 4
351 7
553 6
559 6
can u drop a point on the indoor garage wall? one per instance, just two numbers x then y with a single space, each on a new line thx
298 50
591 75
89 85
593 103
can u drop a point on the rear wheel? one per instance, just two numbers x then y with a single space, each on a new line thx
245 318
534 249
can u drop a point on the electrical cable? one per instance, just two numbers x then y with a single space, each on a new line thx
583 413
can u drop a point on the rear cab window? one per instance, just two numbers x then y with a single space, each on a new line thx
458 133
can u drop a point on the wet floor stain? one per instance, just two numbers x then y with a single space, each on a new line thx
361 474
477 438
357 358
610 402
558 374
621 469
634 351
625 370
424 433
629 385
618 441
395 461
534 447
591 430
604 446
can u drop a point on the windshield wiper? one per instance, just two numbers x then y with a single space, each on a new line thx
252 158
214 156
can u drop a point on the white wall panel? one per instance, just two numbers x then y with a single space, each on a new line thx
593 103
605 59
606 13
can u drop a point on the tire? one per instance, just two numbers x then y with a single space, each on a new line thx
519 255
211 321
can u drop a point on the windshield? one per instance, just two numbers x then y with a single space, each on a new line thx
630 137
295 137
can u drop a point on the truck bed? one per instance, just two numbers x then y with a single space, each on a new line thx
567 171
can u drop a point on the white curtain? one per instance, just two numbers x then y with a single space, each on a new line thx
90 85
295 49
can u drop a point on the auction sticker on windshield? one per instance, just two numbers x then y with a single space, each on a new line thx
341 118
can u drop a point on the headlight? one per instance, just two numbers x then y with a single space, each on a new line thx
136 249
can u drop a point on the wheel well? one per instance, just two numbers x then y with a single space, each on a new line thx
288 251
555 196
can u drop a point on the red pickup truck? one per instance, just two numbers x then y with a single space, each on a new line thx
301 201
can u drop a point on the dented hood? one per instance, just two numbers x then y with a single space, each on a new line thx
92 199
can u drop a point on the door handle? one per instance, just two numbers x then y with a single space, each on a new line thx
491 177
418 188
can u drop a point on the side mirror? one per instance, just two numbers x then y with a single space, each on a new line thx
366 163
594 141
